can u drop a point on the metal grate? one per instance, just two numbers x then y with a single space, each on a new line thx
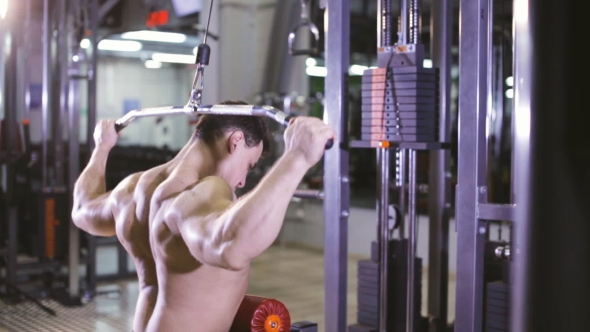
108 312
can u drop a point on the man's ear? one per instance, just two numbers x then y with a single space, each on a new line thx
234 140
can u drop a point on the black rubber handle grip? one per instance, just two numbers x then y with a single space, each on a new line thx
27 134
203 53
119 127
329 143
311 51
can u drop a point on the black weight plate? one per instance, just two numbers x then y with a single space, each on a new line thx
398 85
397 100
361 328
380 107
398 93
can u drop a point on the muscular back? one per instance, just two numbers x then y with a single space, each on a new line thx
138 198
195 293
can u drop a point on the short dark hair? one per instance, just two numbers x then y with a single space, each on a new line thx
211 127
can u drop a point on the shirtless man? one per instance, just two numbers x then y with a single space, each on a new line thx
191 239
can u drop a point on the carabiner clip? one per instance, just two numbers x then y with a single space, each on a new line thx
305 22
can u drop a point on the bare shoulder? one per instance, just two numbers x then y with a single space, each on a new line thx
124 191
128 184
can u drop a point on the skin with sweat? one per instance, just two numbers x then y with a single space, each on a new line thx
191 239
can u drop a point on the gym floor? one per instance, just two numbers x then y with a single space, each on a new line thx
293 275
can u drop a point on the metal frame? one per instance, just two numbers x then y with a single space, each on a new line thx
524 49
336 180
91 277
383 178
440 173
10 105
471 189
473 209
439 179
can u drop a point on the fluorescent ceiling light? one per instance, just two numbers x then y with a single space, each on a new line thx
174 58
151 64
85 43
3 8
509 93
317 71
427 63
155 36
119 45
510 81
311 62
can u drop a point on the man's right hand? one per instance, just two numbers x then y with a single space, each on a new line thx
306 137
105 135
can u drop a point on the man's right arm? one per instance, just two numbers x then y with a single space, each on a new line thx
229 234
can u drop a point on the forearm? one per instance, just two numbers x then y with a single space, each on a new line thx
254 222
91 184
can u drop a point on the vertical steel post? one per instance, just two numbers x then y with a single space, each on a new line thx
383 159
521 164
413 32
401 157
46 99
412 239
92 77
25 58
384 32
74 166
92 74
336 180
404 22
10 100
471 167
439 179
59 114
380 23
552 277
414 24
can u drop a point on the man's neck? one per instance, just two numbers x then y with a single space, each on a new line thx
197 158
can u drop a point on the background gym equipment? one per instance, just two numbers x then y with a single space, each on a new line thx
544 201
261 314
194 107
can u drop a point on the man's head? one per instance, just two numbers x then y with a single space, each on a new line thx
237 141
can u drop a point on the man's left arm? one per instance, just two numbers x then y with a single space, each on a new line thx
93 205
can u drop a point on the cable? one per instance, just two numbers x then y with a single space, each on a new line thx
202 60
208 22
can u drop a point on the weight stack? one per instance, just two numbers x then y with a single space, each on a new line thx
369 290
399 104
497 307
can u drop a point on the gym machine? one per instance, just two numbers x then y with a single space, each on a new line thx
405 107
484 283
42 176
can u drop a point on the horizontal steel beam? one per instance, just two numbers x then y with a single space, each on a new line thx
499 212
313 194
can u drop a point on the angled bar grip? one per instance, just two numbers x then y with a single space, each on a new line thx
159 111
329 143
